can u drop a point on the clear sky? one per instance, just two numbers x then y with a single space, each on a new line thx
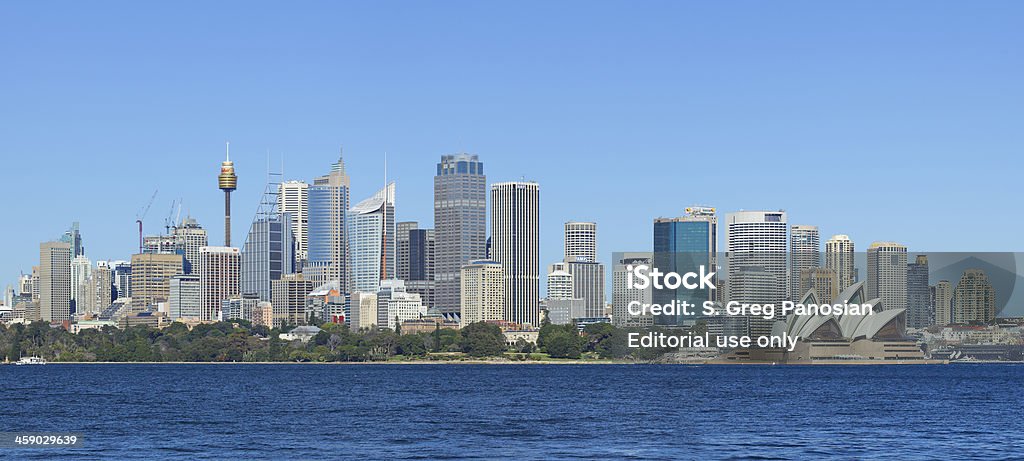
882 120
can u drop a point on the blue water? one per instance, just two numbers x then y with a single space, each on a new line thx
518 411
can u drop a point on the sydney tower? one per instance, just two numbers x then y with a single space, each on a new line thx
227 182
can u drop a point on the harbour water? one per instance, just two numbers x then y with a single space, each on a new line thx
291 411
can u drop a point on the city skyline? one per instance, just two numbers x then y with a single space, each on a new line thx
677 94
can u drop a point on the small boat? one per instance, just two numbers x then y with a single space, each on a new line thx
30 361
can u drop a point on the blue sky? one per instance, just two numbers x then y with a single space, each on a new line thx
883 120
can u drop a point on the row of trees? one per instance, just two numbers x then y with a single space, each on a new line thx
240 341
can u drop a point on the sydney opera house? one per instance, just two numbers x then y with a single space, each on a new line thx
879 336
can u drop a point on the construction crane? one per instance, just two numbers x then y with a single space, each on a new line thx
171 222
142 215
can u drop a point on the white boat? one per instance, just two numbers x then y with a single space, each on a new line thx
30 361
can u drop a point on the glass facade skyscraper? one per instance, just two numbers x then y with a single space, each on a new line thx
371 234
460 220
268 254
682 245
327 234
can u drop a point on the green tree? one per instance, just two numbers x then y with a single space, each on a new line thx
562 344
482 339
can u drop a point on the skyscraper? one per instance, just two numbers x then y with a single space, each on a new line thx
81 270
756 246
293 199
55 281
219 280
943 300
371 241
415 252
623 294
402 230
190 237
581 261
268 254
185 300
515 234
682 245
328 239
269 250
804 253
974 299
483 292
580 241
151 279
920 312
74 238
839 257
460 217
101 284
887 274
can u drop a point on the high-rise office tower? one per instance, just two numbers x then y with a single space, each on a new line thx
269 250
756 246
289 299
580 241
402 230
371 241
219 280
185 300
483 292
227 182
122 278
100 288
974 299
415 252
151 279
887 274
756 240
460 220
73 237
839 257
804 253
588 284
327 255
293 199
581 261
623 294
190 237
920 312
81 270
269 253
943 300
55 281
515 233
35 283
682 245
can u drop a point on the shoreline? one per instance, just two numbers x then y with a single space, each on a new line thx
555 362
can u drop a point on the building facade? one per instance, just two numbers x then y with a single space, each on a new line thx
839 257
483 292
219 280
887 274
55 281
460 220
515 235
804 253
328 238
